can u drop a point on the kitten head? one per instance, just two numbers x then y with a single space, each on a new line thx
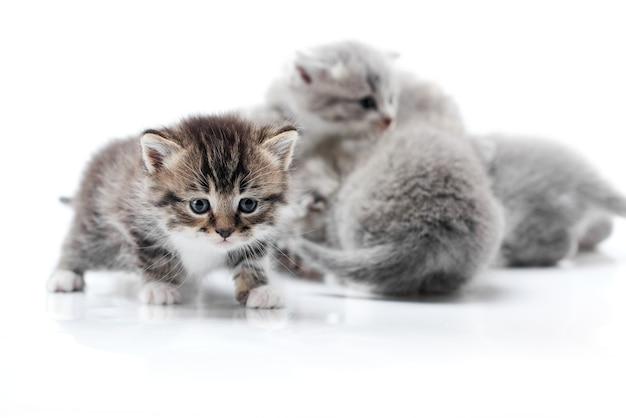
347 86
219 179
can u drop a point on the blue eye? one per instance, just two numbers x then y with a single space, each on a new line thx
368 102
199 206
247 205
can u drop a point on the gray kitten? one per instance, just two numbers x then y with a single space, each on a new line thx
347 92
344 96
416 217
180 201
555 203
545 189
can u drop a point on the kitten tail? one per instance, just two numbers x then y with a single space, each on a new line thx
384 268
347 263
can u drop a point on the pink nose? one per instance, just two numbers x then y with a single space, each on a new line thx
386 121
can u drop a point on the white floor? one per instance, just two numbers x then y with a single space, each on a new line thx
516 343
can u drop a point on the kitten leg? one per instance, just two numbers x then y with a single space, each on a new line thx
65 281
87 246
265 297
248 275
540 250
595 233
75 259
162 274
156 293
251 288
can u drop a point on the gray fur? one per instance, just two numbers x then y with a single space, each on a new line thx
338 141
321 89
555 203
337 133
416 217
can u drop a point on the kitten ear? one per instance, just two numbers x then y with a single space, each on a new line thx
320 71
157 152
311 69
282 146
304 74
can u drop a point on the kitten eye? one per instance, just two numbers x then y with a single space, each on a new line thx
247 205
368 102
199 206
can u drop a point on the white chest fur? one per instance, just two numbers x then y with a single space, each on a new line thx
199 256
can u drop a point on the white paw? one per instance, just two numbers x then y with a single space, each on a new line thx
156 293
65 281
265 297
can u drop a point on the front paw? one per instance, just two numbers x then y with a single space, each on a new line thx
65 281
265 297
156 293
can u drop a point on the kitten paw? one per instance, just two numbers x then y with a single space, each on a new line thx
155 293
65 281
265 297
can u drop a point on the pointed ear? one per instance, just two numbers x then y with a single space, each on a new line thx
304 74
282 146
311 69
157 152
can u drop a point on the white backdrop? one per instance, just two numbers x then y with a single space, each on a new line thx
75 74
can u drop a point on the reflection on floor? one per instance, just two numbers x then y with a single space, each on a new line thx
519 342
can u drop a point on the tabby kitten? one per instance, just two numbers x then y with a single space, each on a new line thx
180 201
416 217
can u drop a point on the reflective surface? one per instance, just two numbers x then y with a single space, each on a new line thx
516 343
524 342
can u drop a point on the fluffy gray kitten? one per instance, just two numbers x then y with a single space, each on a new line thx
344 97
555 202
177 202
391 183
416 217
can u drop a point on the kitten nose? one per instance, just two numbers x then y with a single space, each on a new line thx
224 232
386 121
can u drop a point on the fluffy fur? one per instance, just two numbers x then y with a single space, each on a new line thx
555 203
417 217
344 96
180 201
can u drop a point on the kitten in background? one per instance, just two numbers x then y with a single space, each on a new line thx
401 201
555 202
416 218
179 201
344 96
